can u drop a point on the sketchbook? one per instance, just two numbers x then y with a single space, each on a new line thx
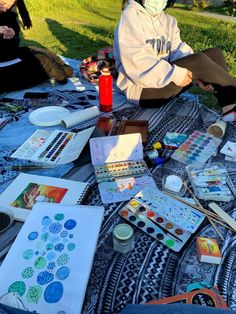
53 147
54 251
27 189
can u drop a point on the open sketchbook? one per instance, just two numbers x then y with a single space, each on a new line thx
53 147
54 252
27 189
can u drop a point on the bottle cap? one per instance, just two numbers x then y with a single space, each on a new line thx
123 232
105 71
159 161
157 145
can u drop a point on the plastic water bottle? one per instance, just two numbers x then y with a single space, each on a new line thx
105 91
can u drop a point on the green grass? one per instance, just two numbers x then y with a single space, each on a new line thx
79 28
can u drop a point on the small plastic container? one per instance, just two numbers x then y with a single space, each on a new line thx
123 238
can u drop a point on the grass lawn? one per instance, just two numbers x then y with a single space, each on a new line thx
78 28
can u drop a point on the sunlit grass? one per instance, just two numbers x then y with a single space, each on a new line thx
79 28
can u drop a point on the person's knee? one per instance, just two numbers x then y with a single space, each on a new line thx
215 51
201 58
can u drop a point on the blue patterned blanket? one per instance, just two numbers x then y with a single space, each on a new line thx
150 271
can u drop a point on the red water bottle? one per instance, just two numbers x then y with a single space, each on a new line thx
105 91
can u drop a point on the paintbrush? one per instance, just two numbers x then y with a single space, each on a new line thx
27 167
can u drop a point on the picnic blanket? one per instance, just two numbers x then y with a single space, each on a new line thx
150 271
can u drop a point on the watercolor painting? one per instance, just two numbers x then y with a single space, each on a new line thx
38 192
54 255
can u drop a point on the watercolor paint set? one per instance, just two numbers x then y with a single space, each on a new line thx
119 167
211 182
162 217
53 146
198 148
155 225
118 156
180 214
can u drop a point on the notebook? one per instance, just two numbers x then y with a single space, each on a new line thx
27 189
54 251
53 147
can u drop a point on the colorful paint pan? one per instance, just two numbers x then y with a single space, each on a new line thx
197 148
111 171
171 209
168 226
135 214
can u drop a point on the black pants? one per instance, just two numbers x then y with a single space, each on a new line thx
24 74
208 66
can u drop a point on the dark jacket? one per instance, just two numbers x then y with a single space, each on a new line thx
9 47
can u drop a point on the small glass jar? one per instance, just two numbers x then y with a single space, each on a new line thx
123 238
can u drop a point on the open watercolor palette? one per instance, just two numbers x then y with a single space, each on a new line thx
118 156
53 147
162 217
198 148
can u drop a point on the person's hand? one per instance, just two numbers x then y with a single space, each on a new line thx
188 79
7 32
207 87
3 8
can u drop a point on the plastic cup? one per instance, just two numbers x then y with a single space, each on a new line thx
217 129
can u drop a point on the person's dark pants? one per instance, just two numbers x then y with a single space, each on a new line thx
24 74
172 309
208 66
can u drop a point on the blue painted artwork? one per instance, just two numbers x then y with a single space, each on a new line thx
33 235
59 217
55 227
45 236
51 265
49 246
71 246
64 234
55 238
44 277
59 247
46 221
70 224
63 259
51 256
53 292
63 272
28 254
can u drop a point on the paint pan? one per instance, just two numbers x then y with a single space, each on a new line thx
110 171
168 233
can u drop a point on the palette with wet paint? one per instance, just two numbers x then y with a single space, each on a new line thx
198 148
155 225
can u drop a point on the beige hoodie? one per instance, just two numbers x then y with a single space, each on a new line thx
144 44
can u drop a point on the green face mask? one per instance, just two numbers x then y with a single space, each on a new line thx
154 6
